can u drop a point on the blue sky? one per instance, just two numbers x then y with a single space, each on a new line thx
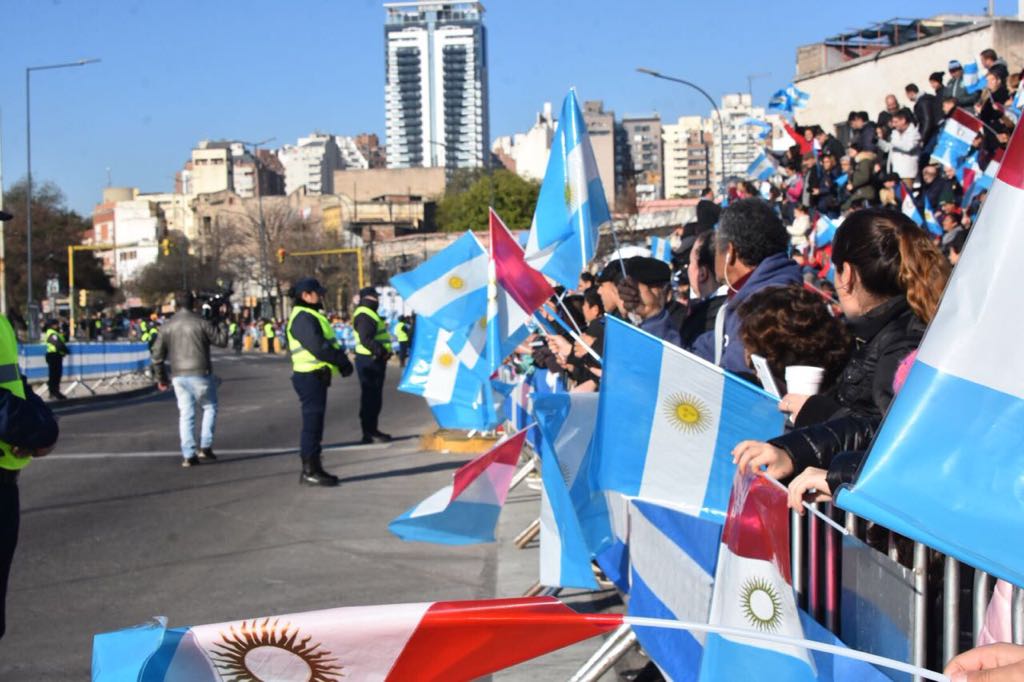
177 71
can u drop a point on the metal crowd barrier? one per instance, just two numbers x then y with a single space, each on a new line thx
89 365
819 555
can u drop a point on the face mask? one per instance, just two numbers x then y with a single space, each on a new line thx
370 303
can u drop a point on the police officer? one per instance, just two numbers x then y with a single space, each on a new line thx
268 332
316 355
27 430
373 348
56 349
150 332
402 336
235 334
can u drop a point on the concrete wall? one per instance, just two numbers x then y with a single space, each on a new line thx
366 184
862 84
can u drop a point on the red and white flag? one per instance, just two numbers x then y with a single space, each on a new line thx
450 641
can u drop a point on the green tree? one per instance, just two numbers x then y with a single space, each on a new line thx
54 228
469 193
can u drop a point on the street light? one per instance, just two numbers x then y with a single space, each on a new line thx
718 114
33 329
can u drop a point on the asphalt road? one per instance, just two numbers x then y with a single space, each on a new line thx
114 531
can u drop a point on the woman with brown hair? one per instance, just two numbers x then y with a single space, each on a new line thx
889 277
790 325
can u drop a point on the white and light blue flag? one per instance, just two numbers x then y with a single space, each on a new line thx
571 206
672 559
668 421
825 230
956 138
450 287
962 404
763 167
973 80
764 128
930 222
661 249
566 422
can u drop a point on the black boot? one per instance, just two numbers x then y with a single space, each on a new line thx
314 475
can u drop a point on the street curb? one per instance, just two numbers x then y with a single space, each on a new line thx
106 397
449 440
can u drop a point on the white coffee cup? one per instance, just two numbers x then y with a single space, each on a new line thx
804 379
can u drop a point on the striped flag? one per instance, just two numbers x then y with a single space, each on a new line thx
930 223
956 138
661 249
465 511
907 205
668 421
450 288
763 167
449 641
962 403
973 81
571 206
515 291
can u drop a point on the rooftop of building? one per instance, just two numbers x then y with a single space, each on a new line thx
414 12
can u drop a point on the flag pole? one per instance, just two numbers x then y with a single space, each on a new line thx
807 506
571 333
834 649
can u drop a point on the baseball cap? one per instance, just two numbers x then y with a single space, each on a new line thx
309 284
648 270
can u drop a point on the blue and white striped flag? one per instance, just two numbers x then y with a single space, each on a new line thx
973 81
798 97
661 249
672 574
571 206
763 167
788 99
930 223
450 288
566 422
764 128
668 422
825 231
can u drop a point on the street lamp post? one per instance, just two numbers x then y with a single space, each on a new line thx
718 114
33 329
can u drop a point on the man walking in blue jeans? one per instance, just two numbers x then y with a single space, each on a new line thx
184 343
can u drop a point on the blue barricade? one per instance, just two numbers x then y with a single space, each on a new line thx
87 360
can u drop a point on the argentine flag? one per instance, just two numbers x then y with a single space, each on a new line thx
763 167
668 422
956 137
825 231
966 498
973 82
465 511
450 288
930 223
672 567
661 249
566 422
571 206
764 128
907 205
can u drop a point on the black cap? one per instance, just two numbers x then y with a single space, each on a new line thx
308 284
612 272
650 271
4 215
368 291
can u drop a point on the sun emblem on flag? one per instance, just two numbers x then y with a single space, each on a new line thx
568 194
483 322
258 651
456 282
761 604
687 413
446 359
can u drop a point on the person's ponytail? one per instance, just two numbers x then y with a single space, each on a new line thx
923 273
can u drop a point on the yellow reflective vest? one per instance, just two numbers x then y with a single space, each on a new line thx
10 380
382 337
302 359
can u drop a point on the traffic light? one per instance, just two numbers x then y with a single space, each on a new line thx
281 253
83 298
165 245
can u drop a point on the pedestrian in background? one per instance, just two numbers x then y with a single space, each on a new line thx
373 348
185 342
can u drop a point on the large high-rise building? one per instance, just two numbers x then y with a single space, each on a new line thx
739 141
643 139
688 153
311 164
436 84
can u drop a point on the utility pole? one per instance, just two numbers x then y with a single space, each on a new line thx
3 251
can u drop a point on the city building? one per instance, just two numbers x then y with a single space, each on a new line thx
740 143
211 168
527 153
371 149
263 165
607 140
311 164
133 225
857 69
643 139
688 150
436 105
369 184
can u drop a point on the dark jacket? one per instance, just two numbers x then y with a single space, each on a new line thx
700 318
927 111
26 422
955 88
779 269
882 339
306 330
833 147
661 326
865 138
837 445
184 342
862 179
365 328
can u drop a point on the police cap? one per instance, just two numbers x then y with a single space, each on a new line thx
649 271
309 284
